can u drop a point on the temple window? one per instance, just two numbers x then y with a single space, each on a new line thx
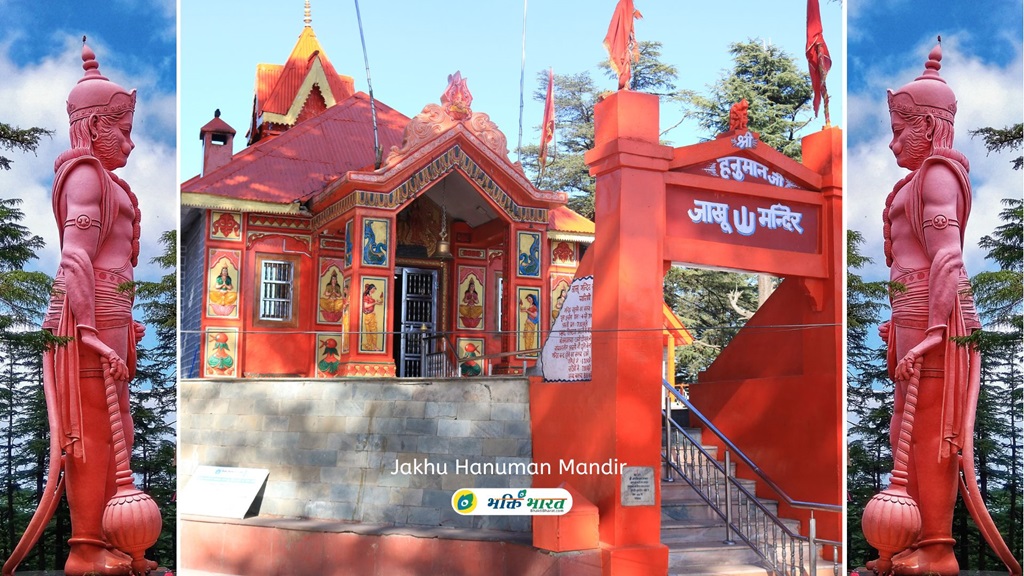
276 290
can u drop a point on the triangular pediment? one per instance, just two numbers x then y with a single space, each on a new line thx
315 77
457 149
742 157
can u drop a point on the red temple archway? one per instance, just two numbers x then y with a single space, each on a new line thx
730 203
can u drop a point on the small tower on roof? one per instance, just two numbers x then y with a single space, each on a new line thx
218 143
303 87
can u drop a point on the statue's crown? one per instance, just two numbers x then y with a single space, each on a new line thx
95 94
927 94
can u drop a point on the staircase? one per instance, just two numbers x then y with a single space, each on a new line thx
696 534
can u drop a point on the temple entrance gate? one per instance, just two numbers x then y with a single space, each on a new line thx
416 293
730 203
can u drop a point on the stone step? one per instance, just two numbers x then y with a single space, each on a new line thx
696 509
675 530
693 555
689 455
683 569
680 487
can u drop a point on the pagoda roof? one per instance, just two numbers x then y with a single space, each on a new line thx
281 90
565 223
278 173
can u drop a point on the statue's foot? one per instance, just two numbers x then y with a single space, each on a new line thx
93 558
934 558
143 566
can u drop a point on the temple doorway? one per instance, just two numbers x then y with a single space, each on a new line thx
416 304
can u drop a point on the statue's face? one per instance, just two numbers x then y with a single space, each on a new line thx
910 142
112 139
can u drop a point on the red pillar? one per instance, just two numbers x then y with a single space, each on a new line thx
629 164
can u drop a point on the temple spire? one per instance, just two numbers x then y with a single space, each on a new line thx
307 19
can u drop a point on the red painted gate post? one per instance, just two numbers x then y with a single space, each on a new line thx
629 165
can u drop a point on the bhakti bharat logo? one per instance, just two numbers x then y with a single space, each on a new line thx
464 501
512 502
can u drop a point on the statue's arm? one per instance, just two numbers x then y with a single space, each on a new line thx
82 196
940 200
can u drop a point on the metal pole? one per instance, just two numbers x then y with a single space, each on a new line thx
668 436
811 536
728 503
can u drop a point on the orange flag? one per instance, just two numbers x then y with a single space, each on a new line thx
547 133
818 60
621 40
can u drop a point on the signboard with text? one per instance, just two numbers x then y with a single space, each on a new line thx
566 354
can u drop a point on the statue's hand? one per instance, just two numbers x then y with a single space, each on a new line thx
883 331
140 331
932 339
118 369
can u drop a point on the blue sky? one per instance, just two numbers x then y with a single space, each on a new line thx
414 45
40 61
888 43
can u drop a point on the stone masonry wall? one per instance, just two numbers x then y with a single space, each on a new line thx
331 445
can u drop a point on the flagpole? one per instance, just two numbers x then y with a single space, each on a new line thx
522 89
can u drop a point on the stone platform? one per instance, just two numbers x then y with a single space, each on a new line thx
272 546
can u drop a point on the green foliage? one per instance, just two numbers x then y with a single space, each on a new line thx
154 396
575 96
999 139
777 91
24 431
23 139
23 295
701 300
869 397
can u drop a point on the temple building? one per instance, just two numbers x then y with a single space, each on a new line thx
314 253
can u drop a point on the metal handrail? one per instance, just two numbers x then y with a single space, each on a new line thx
756 469
781 548
447 356
442 360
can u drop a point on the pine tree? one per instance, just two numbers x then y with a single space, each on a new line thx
869 398
154 395
999 139
777 90
23 139
24 434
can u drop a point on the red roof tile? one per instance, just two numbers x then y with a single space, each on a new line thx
301 161
564 219
277 86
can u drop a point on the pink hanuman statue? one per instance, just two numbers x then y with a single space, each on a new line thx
86 379
937 379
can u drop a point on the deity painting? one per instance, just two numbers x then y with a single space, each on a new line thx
222 284
345 314
559 290
372 336
332 295
375 242
528 300
529 254
328 355
348 242
563 253
221 353
469 349
471 298
225 226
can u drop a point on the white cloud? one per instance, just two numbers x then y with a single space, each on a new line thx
37 95
987 95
